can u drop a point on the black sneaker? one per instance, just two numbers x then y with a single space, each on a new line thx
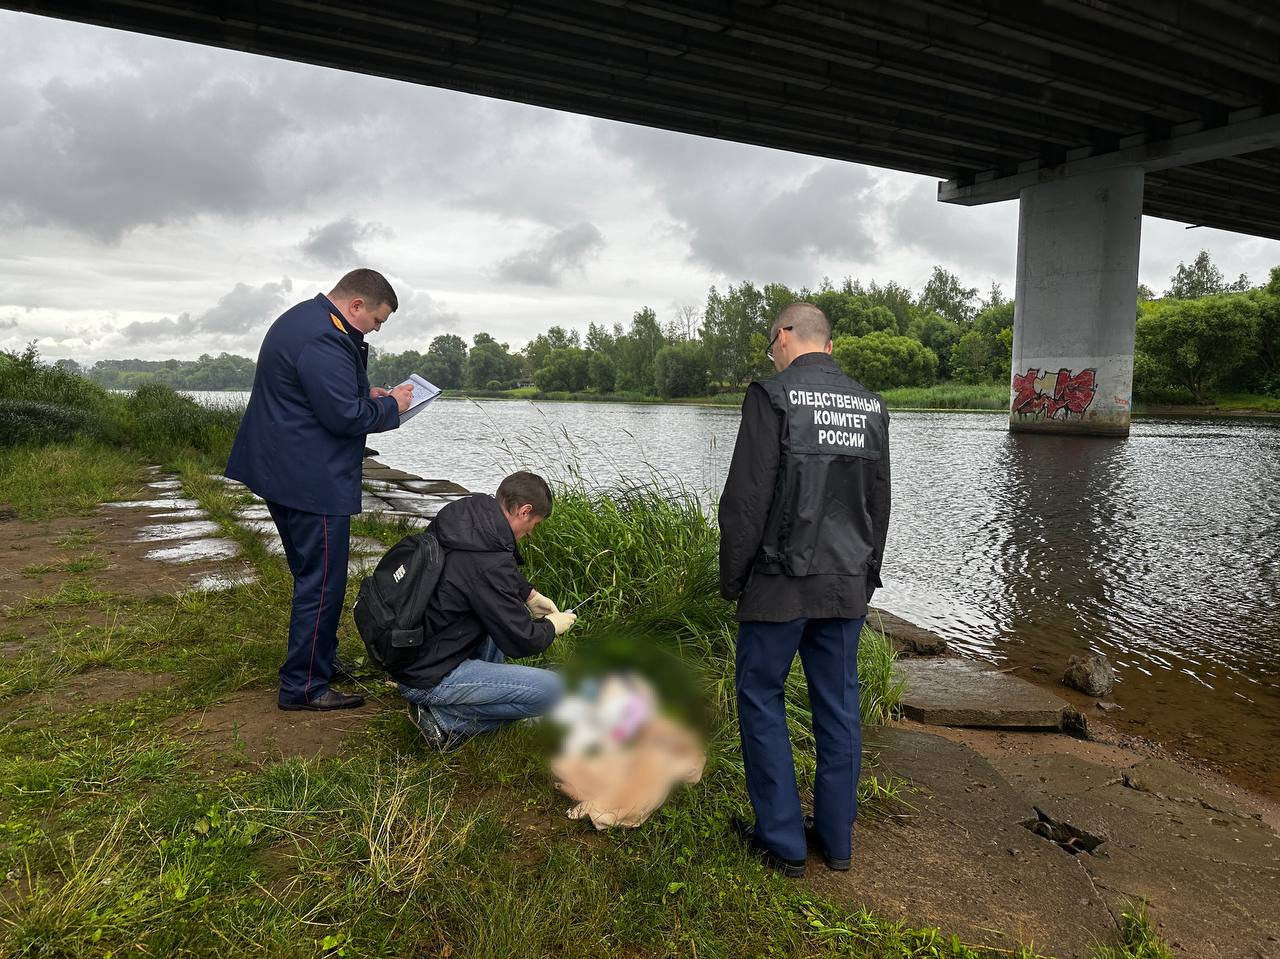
811 837
431 729
791 868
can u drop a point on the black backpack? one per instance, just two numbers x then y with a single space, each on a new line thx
391 606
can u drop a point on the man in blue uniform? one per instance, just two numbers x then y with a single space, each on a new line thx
803 521
301 448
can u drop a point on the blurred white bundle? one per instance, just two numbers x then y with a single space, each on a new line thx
603 715
621 757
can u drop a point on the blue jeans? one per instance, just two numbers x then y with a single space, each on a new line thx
485 692
829 653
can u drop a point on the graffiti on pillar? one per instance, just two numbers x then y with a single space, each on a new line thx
1060 395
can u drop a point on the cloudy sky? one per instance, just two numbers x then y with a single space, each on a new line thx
162 199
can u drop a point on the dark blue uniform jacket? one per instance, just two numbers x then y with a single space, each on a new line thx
301 443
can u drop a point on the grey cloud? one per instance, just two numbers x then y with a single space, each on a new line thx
418 307
419 318
546 263
820 218
134 150
977 238
9 323
747 212
334 244
243 310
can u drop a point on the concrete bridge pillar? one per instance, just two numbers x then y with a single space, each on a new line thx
1074 314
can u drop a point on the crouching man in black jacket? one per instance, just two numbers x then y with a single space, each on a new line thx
803 521
483 610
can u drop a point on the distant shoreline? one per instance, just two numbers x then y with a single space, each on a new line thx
1246 409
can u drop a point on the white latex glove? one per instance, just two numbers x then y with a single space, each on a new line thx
563 622
538 605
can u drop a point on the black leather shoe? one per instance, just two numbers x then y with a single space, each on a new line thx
791 868
329 699
811 836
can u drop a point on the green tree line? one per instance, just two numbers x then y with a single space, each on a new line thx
886 336
226 371
1205 334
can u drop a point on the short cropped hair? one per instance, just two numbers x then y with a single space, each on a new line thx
370 285
808 323
523 488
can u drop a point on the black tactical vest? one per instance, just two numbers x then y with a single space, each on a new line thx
834 432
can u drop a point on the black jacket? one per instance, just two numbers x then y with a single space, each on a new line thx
480 593
805 508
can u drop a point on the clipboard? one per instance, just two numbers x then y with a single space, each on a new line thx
424 391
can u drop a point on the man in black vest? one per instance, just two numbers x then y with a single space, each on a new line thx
803 520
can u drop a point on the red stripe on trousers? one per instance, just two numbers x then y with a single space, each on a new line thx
315 634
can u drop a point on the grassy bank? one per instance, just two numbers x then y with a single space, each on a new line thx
144 809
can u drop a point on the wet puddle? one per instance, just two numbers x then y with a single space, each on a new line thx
180 514
176 502
201 549
216 582
163 531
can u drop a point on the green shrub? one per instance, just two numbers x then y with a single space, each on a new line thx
24 377
163 422
881 360
35 422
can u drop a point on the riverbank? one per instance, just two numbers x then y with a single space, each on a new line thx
945 397
991 751
153 797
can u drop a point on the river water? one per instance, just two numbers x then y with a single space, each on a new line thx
1161 550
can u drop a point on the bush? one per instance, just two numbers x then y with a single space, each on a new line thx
24 377
566 370
41 404
33 422
1198 342
881 360
162 422
680 369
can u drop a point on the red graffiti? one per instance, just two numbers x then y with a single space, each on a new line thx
1072 393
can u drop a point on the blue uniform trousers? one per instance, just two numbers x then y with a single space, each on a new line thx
829 653
315 545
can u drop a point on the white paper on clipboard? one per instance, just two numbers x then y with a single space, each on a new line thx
424 391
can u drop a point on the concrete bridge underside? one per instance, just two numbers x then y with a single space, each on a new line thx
1090 112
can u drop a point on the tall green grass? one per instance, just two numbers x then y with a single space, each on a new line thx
640 566
163 423
949 396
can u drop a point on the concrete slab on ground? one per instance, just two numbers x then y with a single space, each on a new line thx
908 638
1210 871
958 856
960 692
